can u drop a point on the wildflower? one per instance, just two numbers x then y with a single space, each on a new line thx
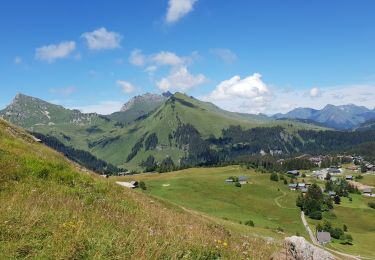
225 244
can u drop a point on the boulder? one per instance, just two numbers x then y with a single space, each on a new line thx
298 248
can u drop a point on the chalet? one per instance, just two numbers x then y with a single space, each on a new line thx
304 190
301 185
367 192
293 186
334 179
323 237
349 177
353 168
370 167
293 172
321 174
229 180
334 170
242 180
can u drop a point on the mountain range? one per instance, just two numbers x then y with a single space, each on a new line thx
342 117
151 129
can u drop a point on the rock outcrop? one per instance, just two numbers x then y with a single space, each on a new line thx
297 248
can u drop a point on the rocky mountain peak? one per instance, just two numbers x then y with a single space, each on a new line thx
141 99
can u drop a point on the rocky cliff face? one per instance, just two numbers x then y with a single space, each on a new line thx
297 248
147 98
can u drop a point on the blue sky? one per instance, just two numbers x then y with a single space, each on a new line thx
249 56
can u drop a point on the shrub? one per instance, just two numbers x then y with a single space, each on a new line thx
285 182
274 177
237 184
249 223
303 175
43 173
280 229
142 185
233 178
345 228
371 204
336 233
346 239
316 215
337 199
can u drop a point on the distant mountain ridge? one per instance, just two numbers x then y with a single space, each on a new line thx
174 126
341 117
29 111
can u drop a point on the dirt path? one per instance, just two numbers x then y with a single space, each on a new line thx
276 200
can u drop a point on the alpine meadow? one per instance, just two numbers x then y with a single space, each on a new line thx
187 129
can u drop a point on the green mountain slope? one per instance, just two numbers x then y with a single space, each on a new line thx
164 125
51 210
185 129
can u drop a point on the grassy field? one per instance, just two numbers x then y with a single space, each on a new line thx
49 209
368 179
270 205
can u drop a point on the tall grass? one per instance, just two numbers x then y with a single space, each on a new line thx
51 210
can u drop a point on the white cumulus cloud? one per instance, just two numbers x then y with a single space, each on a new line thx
248 95
52 52
137 58
168 58
126 87
102 39
226 55
180 79
235 87
178 9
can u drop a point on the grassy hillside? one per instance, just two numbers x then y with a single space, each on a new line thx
270 205
49 209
